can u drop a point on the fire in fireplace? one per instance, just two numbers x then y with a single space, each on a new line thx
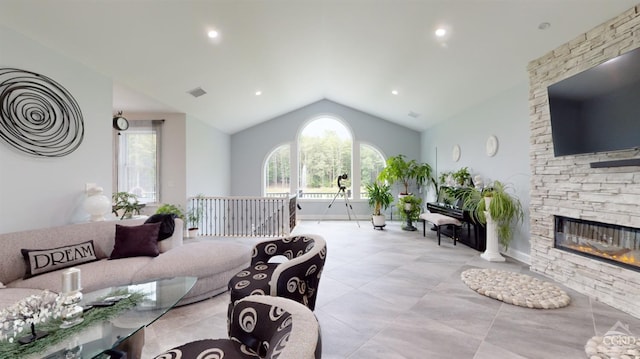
613 243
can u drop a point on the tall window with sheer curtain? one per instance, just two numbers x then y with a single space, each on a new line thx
138 159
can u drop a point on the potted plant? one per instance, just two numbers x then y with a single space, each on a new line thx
125 204
167 208
409 210
380 198
400 170
504 208
194 215
462 177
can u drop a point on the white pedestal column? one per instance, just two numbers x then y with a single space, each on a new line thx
492 253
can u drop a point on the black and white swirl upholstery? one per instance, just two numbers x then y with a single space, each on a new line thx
260 327
297 278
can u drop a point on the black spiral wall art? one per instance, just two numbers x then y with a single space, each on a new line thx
37 115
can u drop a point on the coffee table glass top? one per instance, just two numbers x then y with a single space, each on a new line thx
159 297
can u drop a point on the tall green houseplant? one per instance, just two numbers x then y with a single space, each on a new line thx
505 209
380 197
400 170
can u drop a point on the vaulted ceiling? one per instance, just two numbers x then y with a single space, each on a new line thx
295 52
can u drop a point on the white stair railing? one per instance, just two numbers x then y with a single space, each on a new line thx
245 216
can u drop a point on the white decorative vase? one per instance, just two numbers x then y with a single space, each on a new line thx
378 221
97 204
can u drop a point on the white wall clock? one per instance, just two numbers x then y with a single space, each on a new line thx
492 146
455 153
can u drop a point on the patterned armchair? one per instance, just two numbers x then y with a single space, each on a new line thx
296 278
260 327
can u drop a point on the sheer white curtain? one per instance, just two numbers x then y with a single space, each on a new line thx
138 160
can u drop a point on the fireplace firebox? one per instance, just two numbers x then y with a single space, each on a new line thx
613 243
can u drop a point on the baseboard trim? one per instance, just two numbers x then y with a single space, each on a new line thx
518 255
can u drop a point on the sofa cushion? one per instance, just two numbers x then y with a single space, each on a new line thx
198 259
95 275
136 241
41 261
167 224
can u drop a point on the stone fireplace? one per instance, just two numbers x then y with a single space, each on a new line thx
567 186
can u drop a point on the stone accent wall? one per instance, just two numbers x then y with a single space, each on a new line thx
567 185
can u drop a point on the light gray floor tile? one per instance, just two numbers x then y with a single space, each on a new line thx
396 294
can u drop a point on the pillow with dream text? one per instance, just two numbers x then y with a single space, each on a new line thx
41 261
136 241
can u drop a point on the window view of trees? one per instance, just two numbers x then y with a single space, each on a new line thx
371 163
325 152
137 164
278 172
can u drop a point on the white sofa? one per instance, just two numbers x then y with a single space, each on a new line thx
213 261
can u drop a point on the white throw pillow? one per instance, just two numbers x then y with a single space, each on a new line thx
1 285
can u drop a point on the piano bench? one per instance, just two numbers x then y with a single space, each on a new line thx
438 220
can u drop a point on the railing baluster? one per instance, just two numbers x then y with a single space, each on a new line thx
246 216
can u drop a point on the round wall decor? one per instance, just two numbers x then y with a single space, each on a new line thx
455 154
37 115
492 146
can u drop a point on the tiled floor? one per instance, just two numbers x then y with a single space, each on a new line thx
395 294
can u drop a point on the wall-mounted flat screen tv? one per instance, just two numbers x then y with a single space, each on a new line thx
597 110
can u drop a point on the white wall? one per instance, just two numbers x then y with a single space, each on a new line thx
208 160
43 192
250 147
507 117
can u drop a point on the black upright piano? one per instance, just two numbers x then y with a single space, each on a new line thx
474 235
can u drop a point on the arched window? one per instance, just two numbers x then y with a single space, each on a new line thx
278 172
325 148
371 163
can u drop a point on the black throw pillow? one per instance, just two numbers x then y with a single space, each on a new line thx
167 224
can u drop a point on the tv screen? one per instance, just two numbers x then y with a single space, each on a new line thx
597 110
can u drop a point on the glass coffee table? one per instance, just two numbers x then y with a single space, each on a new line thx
124 333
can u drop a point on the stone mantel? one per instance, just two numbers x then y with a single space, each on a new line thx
568 186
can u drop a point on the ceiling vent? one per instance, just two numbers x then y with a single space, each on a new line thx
197 92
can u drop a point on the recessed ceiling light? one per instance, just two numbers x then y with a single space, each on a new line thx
258 93
441 32
212 34
394 92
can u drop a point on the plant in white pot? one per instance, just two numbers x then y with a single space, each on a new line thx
194 215
125 204
380 198
504 210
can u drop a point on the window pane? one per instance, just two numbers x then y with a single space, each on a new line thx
325 153
278 172
371 163
137 166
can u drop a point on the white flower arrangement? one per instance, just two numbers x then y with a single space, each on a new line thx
25 314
